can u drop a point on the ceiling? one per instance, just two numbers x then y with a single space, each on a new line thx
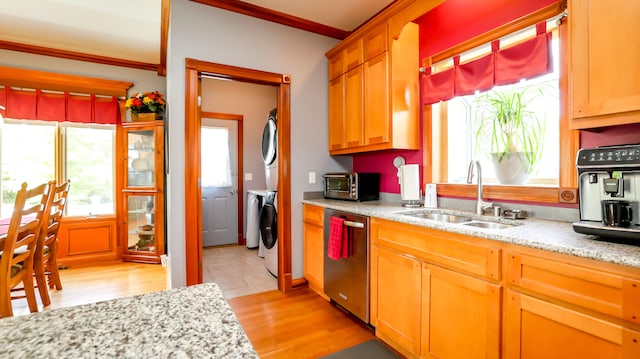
105 28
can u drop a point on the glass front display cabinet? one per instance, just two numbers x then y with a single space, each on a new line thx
143 192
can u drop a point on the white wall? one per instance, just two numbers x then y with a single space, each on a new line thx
253 102
210 34
143 80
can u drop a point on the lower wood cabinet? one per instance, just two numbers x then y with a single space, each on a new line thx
396 298
460 315
313 232
536 328
427 308
436 294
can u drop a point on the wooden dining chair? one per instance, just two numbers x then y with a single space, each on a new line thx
18 249
46 254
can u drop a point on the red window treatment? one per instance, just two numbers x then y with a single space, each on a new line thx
3 101
525 60
39 105
438 87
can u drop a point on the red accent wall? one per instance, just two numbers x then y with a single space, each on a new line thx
615 135
383 163
461 20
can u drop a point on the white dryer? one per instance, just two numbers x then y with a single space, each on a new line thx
270 150
269 231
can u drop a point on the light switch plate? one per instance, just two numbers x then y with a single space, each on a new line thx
312 177
248 176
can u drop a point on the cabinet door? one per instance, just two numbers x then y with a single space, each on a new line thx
377 119
140 157
353 120
604 62
538 329
144 227
395 299
313 247
336 113
460 316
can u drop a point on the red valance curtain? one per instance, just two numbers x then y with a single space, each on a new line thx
525 60
39 105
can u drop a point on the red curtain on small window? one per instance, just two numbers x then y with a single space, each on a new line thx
21 104
438 87
105 110
3 101
38 105
80 108
474 75
51 107
526 60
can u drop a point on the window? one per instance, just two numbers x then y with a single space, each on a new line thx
216 170
462 117
82 153
544 189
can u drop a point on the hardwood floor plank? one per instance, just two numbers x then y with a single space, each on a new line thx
298 324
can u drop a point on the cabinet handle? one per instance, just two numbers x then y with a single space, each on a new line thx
353 224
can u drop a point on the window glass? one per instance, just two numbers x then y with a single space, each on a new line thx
89 163
216 168
28 155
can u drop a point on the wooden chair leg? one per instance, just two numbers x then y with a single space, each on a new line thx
54 274
41 279
5 303
30 291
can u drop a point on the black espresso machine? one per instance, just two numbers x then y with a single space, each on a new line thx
609 193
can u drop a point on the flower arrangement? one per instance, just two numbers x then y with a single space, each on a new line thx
148 102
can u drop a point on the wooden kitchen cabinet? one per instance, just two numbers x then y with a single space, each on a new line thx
142 229
461 318
537 328
380 96
435 294
561 309
396 298
313 234
604 62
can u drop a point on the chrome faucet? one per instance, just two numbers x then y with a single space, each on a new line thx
480 204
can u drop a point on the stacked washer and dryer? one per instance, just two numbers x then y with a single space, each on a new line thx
268 212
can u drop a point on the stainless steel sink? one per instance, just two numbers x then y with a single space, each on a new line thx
440 217
488 225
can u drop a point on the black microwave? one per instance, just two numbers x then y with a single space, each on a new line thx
352 186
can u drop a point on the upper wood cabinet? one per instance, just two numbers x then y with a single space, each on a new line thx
604 62
377 106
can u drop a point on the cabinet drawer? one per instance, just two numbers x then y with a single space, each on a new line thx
313 215
375 42
452 250
604 292
353 55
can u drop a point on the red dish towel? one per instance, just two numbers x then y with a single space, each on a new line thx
335 238
347 242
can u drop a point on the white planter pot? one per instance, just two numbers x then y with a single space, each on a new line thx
513 169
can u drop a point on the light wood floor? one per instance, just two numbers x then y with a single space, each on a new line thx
298 324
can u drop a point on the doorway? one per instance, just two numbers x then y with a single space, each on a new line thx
193 205
220 181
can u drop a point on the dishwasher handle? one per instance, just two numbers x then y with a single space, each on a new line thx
354 224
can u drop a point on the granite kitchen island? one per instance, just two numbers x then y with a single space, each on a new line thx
190 322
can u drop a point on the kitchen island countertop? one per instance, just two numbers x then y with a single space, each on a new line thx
189 322
548 235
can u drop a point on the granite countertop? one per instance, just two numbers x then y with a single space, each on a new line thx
189 322
548 235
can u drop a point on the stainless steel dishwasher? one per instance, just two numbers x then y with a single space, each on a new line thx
346 281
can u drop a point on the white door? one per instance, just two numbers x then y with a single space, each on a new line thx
219 182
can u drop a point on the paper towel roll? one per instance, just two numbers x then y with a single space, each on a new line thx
410 182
